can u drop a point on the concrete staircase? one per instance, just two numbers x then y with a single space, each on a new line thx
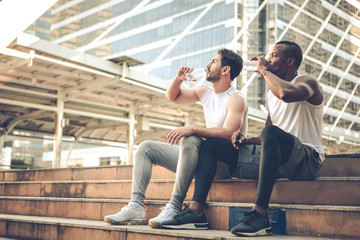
71 203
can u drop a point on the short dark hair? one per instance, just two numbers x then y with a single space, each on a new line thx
232 59
293 50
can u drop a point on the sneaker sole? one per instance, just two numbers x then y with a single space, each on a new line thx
130 222
200 226
261 232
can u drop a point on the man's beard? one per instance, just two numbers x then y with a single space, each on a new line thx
213 78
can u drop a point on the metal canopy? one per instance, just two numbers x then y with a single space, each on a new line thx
100 99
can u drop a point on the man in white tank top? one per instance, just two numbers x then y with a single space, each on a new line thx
291 140
225 110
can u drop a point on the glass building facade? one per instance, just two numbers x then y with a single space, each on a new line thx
166 34
148 32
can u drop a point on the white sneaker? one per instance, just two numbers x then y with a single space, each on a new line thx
167 213
127 215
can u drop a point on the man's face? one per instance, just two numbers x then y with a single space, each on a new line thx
277 63
214 69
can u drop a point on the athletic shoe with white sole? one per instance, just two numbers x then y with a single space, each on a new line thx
127 215
187 219
167 213
253 224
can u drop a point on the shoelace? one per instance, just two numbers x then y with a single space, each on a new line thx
250 216
183 211
166 211
185 206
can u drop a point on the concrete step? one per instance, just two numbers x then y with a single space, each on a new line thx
328 206
119 172
34 227
306 220
324 191
334 166
341 165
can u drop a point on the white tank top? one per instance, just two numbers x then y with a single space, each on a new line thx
214 105
301 119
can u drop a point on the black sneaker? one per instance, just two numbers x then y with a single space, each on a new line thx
187 219
253 224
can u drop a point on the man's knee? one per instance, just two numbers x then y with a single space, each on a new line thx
145 146
143 149
270 133
190 142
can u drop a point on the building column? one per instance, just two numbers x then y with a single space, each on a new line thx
58 132
131 136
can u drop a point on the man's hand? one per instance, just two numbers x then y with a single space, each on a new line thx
181 74
237 139
175 135
261 62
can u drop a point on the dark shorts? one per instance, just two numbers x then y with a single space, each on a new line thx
248 162
304 162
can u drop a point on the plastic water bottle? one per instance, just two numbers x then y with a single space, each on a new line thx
195 74
250 65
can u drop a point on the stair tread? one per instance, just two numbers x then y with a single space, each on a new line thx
334 166
230 190
319 179
210 204
93 224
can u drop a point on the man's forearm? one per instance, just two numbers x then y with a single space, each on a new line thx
220 132
254 140
174 89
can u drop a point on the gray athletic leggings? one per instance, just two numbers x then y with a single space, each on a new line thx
182 160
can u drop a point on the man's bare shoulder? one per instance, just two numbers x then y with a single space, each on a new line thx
237 99
310 81
317 96
306 79
200 89
238 95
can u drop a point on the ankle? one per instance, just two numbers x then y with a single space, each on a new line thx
135 205
260 210
196 207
